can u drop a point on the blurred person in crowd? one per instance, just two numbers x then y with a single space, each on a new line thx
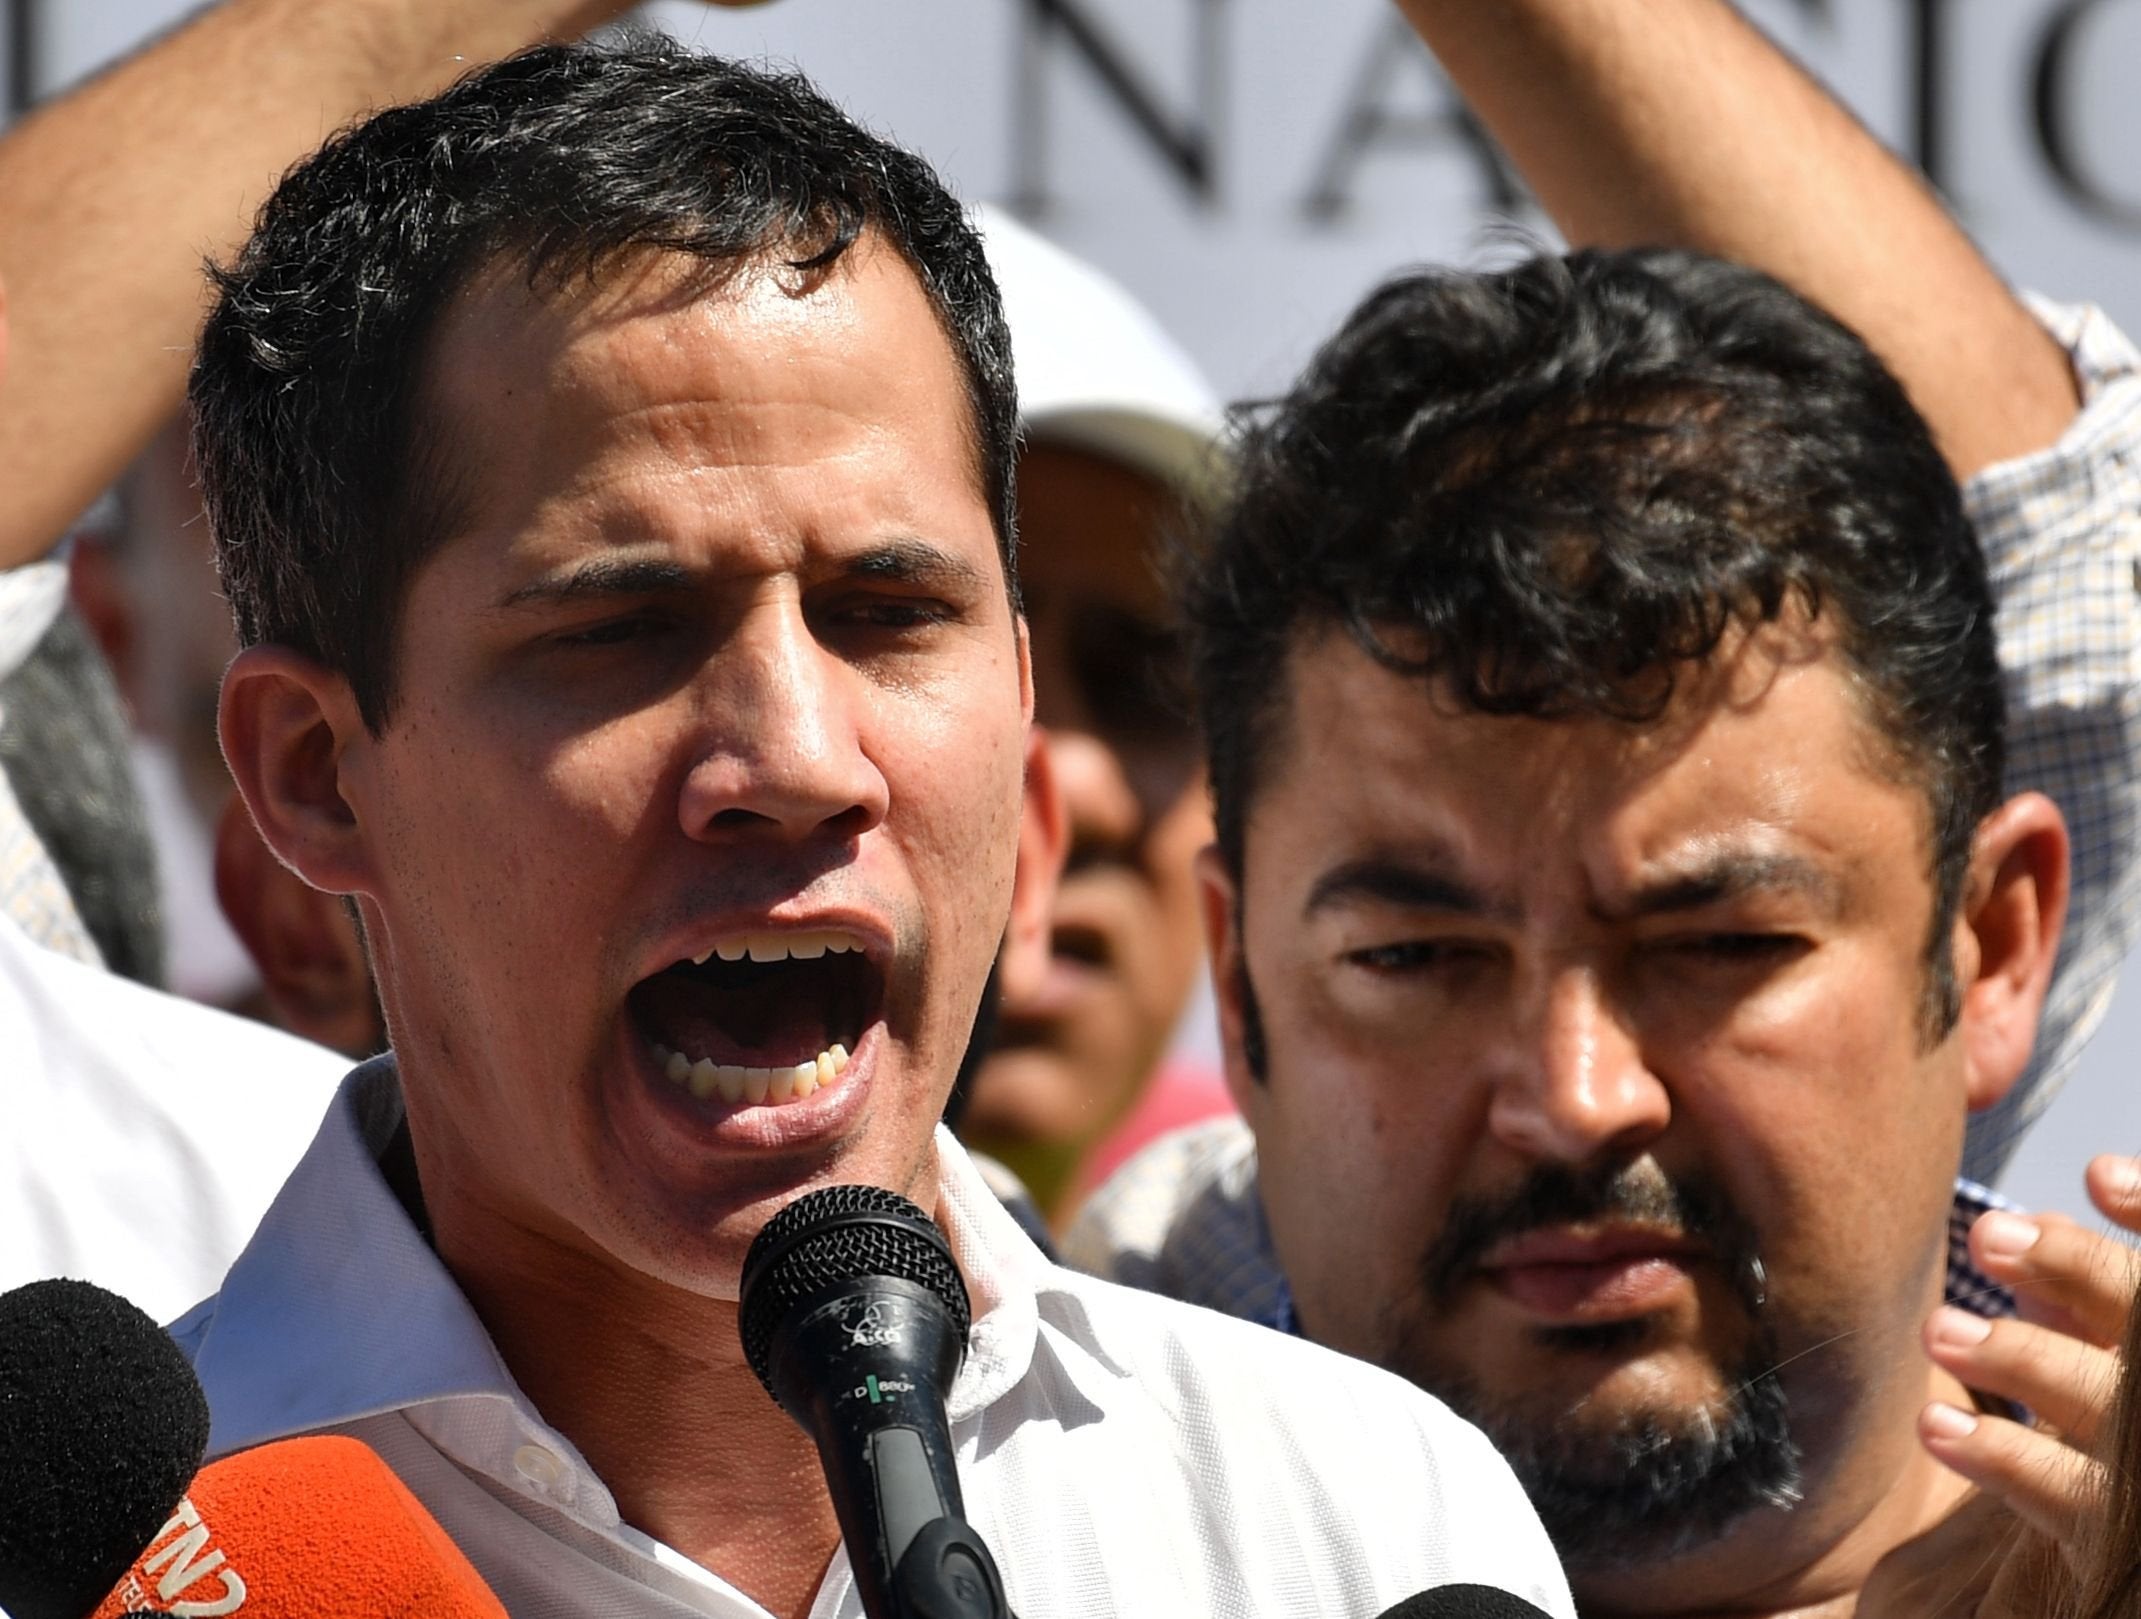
1122 452
1613 925
146 1135
243 931
611 466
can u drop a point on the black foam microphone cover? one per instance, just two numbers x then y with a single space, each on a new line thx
102 1427
1464 1602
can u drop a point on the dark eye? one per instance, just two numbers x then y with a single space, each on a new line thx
1741 947
611 632
1414 955
896 613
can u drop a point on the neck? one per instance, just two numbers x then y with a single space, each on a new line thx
1808 1561
651 1384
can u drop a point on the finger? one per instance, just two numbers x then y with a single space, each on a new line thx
2050 1486
2062 1274
2063 1381
2114 1183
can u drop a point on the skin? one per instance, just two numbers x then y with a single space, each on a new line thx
2063 1360
1676 123
1126 939
1522 986
111 196
578 787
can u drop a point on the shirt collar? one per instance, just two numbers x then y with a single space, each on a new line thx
339 1310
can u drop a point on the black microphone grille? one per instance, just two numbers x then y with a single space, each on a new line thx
834 1236
1464 1602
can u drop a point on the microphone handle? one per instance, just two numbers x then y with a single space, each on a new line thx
885 1446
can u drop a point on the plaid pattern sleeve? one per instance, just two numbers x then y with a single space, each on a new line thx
1968 1287
2061 530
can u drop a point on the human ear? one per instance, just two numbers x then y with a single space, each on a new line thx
291 730
303 942
1219 899
1043 845
2007 938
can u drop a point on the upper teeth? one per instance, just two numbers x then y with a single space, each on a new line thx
779 947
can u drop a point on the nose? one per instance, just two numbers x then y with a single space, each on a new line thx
780 744
1577 1087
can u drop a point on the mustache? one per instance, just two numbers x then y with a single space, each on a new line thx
1692 1206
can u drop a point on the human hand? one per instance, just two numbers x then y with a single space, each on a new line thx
2074 1289
2042 1488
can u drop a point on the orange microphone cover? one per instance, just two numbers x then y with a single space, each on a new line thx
316 1528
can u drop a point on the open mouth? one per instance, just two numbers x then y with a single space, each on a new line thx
760 1017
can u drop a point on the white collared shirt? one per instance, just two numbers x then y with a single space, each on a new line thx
1121 1454
143 1135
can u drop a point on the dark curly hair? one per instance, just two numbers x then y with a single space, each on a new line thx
556 163
1554 488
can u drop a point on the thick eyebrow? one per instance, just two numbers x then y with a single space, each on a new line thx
1733 876
602 577
1396 882
915 562
904 562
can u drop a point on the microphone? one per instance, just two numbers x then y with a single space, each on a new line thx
1464 1602
105 1509
855 1318
312 1528
102 1423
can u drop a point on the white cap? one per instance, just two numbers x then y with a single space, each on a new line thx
1096 371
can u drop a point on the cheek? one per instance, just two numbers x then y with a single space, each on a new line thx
1366 1128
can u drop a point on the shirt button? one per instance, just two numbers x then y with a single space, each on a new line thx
545 1469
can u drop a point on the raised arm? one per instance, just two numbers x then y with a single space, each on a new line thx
1677 123
111 197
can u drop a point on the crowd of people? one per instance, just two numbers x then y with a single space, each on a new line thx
710 670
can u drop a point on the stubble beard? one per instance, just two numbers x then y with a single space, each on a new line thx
1656 1482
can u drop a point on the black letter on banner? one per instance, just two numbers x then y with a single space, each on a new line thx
2056 116
1929 85
1186 145
1369 122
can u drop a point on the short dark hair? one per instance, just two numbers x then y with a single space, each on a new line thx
557 163
1554 488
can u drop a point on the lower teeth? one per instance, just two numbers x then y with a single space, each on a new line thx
706 1079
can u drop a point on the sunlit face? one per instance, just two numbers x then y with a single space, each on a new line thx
1125 937
1567 1023
717 663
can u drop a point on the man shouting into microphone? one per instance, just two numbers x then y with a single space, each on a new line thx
609 464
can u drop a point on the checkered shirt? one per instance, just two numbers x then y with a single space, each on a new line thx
1184 1218
2061 531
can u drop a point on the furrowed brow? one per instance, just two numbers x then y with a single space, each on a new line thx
1731 877
600 578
